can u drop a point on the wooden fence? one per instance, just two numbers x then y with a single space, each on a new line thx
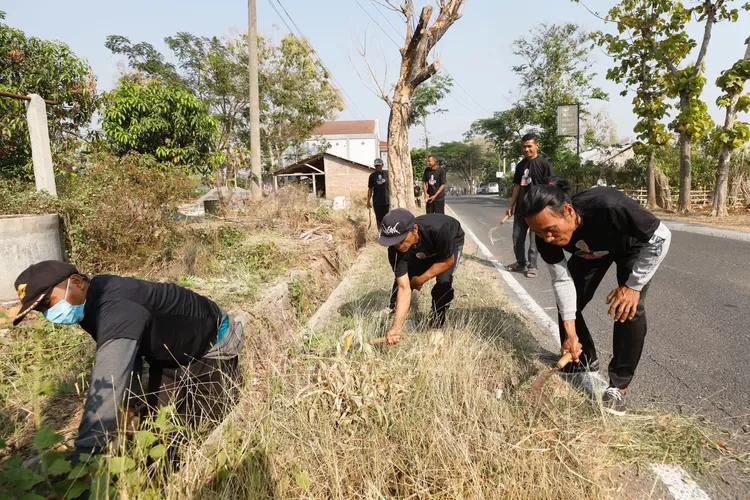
700 197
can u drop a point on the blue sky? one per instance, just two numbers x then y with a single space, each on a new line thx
476 50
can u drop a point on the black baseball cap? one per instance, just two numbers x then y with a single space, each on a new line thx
396 226
38 280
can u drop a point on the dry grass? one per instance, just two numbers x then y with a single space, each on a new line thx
233 262
438 416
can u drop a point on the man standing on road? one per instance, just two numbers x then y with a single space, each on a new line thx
531 171
378 194
419 249
433 182
599 226
190 343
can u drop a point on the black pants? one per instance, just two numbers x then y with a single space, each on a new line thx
442 292
628 337
436 207
520 231
202 390
380 211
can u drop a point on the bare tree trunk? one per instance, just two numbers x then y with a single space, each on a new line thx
719 208
745 189
426 137
400 174
419 41
651 180
686 148
663 190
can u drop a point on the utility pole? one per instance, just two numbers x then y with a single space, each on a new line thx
256 173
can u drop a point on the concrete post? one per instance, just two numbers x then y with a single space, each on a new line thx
36 117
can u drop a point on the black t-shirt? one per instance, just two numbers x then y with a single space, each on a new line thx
379 184
612 226
172 324
530 173
434 179
439 237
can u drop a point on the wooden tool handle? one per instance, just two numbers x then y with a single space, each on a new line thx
379 340
567 358
505 219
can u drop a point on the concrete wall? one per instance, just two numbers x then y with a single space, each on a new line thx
26 240
342 179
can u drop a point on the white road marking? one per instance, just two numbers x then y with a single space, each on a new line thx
679 484
676 479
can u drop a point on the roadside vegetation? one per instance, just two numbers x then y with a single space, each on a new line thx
325 415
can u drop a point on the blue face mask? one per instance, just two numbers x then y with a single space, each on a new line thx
65 313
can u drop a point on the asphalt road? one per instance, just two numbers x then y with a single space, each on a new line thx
697 353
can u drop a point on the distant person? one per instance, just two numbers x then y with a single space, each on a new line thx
378 193
190 343
433 182
419 249
602 181
531 171
599 226
417 194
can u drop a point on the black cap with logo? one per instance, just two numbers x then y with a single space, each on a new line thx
33 284
396 226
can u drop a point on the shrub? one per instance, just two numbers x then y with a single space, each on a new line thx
115 213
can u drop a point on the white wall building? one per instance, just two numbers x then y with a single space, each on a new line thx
357 141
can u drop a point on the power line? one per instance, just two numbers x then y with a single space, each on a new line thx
465 91
376 22
374 4
353 106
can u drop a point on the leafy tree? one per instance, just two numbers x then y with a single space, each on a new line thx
296 97
504 130
637 66
296 94
29 65
598 131
426 99
418 162
556 69
472 162
143 58
669 41
734 134
215 71
687 83
163 120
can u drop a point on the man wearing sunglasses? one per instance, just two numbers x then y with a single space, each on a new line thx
190 344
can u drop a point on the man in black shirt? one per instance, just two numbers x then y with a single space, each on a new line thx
433 183
599 226
531 171
419 249
378 194
186 339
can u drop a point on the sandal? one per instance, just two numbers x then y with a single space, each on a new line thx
531 273
516 268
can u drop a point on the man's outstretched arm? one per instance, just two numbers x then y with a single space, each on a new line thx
110 378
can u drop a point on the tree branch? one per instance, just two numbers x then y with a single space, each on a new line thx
375 87
711 10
